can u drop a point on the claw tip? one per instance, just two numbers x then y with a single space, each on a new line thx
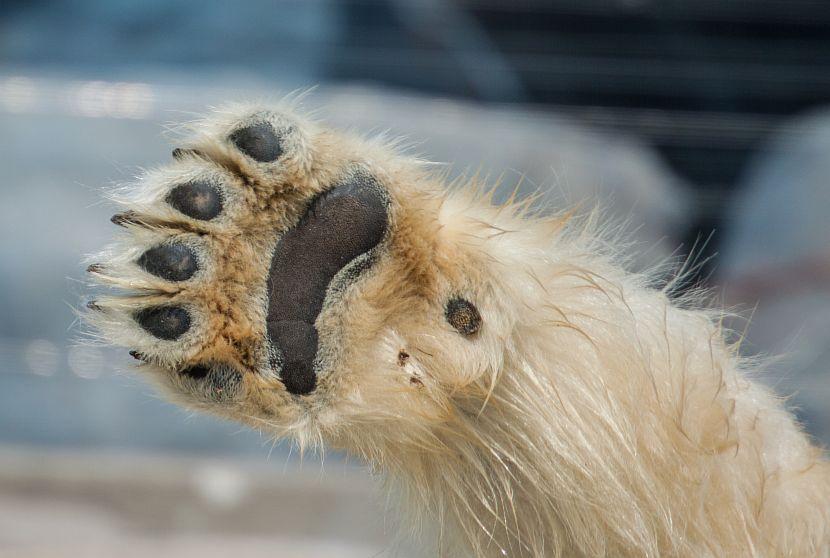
122 219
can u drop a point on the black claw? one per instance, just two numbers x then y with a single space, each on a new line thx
463 316
258 141
182 152
94 268
198 199
172 262
165 322
93 305
125 218
136 355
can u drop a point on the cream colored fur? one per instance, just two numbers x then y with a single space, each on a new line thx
590 416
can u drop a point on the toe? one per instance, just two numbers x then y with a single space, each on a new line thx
270 149
145 260
191 194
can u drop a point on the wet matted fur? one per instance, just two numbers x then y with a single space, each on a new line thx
522 394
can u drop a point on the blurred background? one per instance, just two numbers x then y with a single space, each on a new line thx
704 124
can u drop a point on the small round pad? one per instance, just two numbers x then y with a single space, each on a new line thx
164 322
172 262
197 199
258 141
463 316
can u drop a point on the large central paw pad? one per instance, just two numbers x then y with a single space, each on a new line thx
230 254
339 229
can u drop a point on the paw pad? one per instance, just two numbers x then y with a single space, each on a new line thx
198 199
297 342
258 141
165 322
173 262
292 236
338 227
463 316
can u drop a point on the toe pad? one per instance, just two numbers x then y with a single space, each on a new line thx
258 141
173 262
339 226
165 322
198 200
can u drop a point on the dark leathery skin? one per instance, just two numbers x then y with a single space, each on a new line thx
165 322
173 262
340 225
258 141
197 199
